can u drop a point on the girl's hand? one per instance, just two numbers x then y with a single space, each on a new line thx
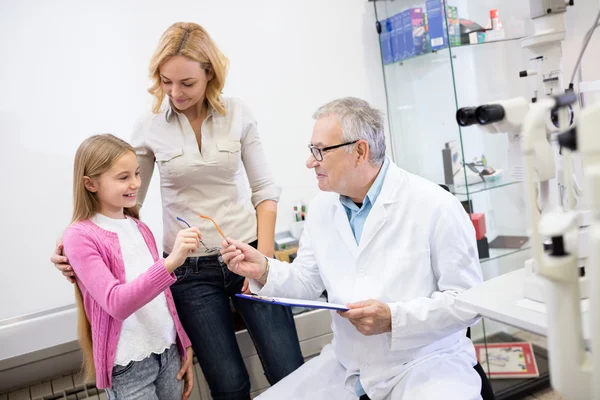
186 243
187 373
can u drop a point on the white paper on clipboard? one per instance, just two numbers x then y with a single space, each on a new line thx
293 302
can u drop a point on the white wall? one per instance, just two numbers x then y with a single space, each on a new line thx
71 69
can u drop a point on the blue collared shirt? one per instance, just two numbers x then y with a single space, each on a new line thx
358 217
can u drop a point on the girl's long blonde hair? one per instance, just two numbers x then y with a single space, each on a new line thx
190 40
95 156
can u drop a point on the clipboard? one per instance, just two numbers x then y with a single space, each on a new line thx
282 301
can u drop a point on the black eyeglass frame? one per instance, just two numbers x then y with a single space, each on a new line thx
318 153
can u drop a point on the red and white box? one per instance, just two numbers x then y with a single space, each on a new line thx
478 220
507 360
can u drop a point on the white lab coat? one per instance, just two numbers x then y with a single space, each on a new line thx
417 253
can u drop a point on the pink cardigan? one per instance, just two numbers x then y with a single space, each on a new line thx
95 255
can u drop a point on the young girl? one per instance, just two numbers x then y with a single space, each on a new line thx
128 328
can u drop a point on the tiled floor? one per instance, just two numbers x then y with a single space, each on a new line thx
547 394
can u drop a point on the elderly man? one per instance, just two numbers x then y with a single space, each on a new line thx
395 248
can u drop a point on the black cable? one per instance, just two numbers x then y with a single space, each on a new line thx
586 41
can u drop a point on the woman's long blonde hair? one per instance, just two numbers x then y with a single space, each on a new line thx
95 156
190 40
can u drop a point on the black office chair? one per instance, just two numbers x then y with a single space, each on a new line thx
487 393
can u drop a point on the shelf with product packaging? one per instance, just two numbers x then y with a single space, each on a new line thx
438 56
441 56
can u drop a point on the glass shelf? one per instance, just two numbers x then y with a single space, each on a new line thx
488 42
495 254
445 50
484 186
442 55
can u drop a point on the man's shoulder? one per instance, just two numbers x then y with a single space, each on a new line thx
419 190
425 186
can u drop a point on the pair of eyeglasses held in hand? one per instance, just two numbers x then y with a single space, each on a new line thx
209 250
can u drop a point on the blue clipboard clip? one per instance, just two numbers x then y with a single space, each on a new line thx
293 302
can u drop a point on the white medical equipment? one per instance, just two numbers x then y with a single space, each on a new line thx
555 272
508 116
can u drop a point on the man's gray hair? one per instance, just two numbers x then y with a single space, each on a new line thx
359 121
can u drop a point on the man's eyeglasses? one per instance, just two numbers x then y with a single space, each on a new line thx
318 153
209 250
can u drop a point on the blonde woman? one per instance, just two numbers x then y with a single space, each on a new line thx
128 328
208 151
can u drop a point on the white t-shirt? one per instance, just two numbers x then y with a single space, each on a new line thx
150 329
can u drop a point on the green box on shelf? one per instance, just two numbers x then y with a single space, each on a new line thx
453 26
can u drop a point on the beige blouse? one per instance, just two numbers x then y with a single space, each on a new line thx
226 181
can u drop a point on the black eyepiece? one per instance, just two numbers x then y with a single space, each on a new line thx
466 116
488 114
